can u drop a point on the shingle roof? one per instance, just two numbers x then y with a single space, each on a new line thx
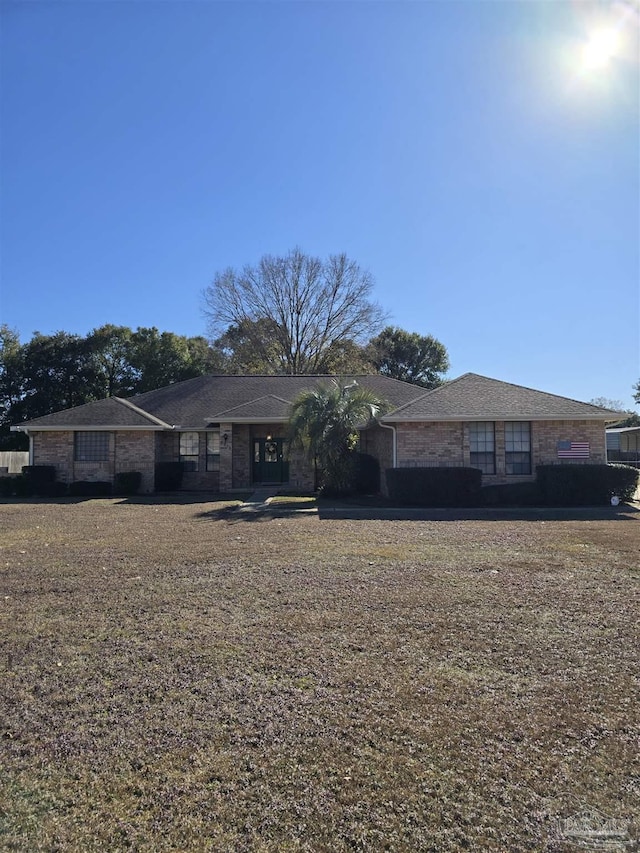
111 412
194 402
264 408
474 397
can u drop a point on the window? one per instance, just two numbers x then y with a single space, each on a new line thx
91 446
517 447
189 450
482 446
213 451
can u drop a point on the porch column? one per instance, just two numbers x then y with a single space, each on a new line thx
226 457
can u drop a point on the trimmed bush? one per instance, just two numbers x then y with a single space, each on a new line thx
40 474
90 489
39 479
366 474
169 476
441 487
57 490
6 487
511 494
585 485
127 482
21 486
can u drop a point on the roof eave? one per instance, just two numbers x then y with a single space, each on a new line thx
221 419
88 428
495 417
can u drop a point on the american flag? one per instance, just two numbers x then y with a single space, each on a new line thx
573 450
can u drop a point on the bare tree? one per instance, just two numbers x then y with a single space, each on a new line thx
309 305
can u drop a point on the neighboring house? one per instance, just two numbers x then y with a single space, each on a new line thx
230 432
623 445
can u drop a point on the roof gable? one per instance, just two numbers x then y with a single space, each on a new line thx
99 414
475 397
269 407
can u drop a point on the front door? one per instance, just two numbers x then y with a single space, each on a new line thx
269 463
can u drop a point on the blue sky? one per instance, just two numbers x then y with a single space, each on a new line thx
457 150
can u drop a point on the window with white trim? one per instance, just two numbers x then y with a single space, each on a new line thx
189 450
91 446
517 447
482 445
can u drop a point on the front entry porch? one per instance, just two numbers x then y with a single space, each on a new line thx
270 463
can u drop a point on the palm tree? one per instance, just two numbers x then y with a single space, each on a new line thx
324 422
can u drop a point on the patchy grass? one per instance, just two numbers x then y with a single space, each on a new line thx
176 679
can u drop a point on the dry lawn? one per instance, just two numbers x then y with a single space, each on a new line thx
173 677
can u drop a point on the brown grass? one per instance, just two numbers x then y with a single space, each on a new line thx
172 678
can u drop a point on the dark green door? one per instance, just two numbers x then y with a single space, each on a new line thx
269 463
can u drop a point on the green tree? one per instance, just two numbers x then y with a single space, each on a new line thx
305 304
324 424
636 394
11 387
160 359
111 350
419 359
57 373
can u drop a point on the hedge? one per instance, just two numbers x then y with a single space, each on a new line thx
439 487
90 488
169 476
511 494
585 485
39 479
127 482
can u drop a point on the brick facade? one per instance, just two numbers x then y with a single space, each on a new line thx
445 443
129 450
436 443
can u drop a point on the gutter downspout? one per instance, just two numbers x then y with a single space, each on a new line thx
394 443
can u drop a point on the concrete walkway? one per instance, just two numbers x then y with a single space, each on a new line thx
259 500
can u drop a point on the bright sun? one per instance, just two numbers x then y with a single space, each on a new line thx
601 47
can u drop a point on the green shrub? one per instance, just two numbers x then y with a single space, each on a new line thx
40 479
21 486
56 490
169 476
441 487
623 481
585 485
366 474
6 487
90 488
511 494
127 482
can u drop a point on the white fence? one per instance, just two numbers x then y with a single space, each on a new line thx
12 461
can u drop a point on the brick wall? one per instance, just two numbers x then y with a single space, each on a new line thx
129 450
447 444
242 455
135 451
433 443
54 448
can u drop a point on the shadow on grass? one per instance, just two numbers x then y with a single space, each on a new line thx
625 512
253 513
155 499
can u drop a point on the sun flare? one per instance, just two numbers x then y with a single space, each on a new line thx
601 47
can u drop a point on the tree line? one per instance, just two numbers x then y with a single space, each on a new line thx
294 314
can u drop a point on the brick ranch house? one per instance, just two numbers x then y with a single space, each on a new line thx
230 432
